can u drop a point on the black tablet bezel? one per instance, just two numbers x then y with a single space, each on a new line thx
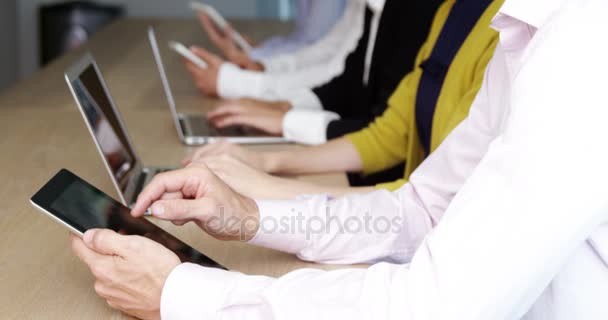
45 197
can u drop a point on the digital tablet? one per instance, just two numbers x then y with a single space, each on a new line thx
221 23
79 206
186 53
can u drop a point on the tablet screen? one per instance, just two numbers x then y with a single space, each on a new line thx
84 207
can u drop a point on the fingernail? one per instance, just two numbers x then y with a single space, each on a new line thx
88 237
158 210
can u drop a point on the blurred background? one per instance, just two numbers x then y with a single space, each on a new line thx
34 32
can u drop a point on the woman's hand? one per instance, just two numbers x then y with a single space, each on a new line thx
244 179
257 160
223 40
264 116
205 79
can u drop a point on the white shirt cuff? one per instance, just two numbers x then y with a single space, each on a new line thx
304 99
195 292
307 126
235 83
267 63
276 221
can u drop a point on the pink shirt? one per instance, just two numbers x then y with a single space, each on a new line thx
506 220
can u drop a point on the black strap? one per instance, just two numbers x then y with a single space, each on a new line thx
462 19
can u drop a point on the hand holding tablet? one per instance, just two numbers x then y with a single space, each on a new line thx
80 207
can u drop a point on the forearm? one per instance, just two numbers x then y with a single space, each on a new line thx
358 228
315 160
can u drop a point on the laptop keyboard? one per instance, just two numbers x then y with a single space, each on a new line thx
200 127
233 131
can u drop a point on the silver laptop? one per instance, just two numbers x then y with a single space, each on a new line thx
101 116
195 129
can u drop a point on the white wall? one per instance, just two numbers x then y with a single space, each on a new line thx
8 40
28 21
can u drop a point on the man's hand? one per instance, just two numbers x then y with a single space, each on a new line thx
205 79
264 116
223 41
196 194
255 159
130 271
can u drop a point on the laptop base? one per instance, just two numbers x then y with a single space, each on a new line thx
197 131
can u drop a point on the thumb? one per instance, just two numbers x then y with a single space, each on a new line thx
177 209
106 242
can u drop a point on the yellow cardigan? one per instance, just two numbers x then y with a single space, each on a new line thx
393 137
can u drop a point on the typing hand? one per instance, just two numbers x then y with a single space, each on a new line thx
254 159
264 116
129 271
242 178
196 194
223 40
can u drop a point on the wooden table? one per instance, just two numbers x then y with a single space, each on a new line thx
42 131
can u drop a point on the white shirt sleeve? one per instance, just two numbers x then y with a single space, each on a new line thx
339 41
194 292
518 209
236 83
302 99
307 126
306 68
518 216
416 208
306 122
314 18
382 291
251 84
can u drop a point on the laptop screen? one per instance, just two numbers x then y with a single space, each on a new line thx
165 80
104 123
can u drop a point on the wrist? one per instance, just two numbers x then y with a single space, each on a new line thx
253 66
272 162
283 105
251 223
257 66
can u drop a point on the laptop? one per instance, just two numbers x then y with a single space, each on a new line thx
105 125
195 130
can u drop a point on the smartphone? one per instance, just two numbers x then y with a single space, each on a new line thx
79 206
186 53
221 23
